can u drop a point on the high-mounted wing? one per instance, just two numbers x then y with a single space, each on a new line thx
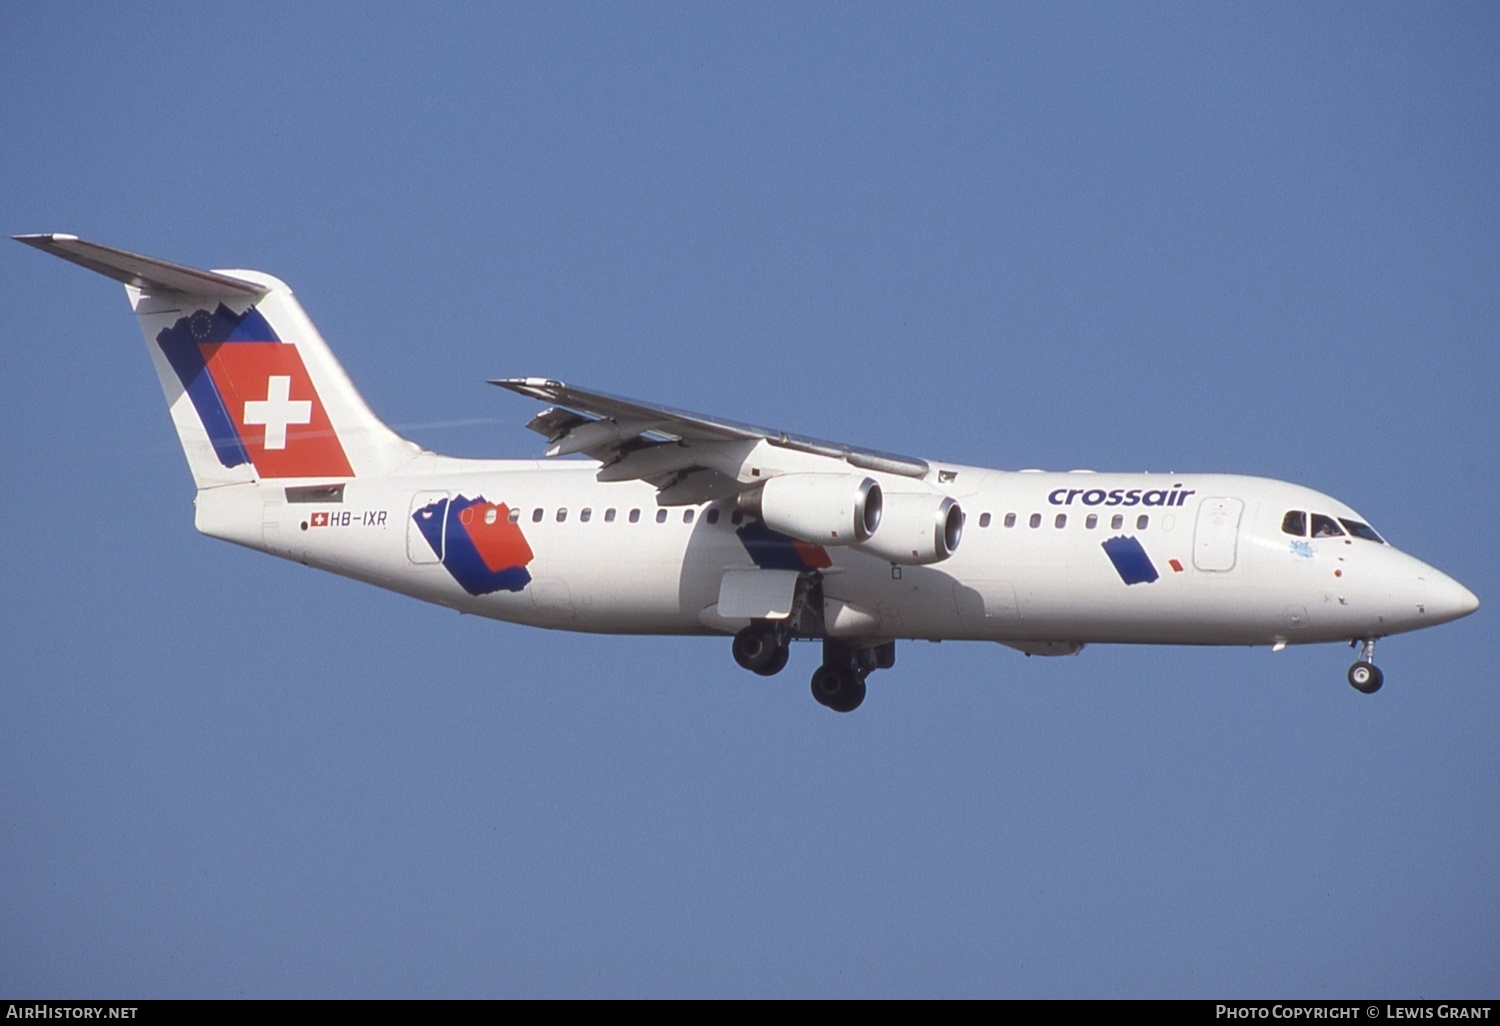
691 457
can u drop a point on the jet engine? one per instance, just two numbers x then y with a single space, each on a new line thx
824 509
916 529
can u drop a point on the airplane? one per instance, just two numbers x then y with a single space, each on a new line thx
677 523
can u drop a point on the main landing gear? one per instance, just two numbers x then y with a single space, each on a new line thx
1364 675
761 648
838 684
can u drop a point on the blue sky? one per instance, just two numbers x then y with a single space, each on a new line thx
1250 238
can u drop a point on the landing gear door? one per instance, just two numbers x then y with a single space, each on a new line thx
1215 541
426 527
757 594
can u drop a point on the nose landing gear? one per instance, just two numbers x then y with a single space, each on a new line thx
1364 675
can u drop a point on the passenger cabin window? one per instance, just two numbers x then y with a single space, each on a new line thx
536 516
1117 521
1091 521
736 517
515 515
661 516
1010 520
635 516
1294 523
1061 521
609 515
562 514
1325 527
984 520
1360 530
1036 520
585 514
712 516
687 516
1142 522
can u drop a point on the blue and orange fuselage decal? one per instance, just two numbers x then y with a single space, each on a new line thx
772 550
477 543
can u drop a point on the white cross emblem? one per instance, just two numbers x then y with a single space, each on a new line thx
278 410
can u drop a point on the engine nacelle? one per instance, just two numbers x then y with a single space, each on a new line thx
824 509
917 529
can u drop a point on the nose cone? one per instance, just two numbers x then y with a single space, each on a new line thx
1449 600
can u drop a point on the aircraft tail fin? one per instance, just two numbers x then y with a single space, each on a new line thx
255 393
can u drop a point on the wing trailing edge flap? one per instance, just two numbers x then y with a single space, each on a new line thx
689 457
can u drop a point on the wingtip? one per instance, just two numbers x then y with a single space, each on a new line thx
526 384
42 238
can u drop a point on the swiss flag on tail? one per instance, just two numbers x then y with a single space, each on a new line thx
280 419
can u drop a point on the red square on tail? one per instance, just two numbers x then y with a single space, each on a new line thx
276 410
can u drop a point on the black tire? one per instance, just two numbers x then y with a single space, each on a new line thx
852 696
777 664
825 683
838 687
755 648
1366 677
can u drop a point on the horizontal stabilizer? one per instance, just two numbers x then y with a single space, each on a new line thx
145 273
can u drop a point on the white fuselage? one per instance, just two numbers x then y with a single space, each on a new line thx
1206 559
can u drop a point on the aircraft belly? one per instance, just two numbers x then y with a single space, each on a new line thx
620 596
657 584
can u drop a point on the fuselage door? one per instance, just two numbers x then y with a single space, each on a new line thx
1216 538
426 527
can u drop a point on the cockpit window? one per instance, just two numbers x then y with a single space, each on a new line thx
1325 527
1359 530
1294 523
